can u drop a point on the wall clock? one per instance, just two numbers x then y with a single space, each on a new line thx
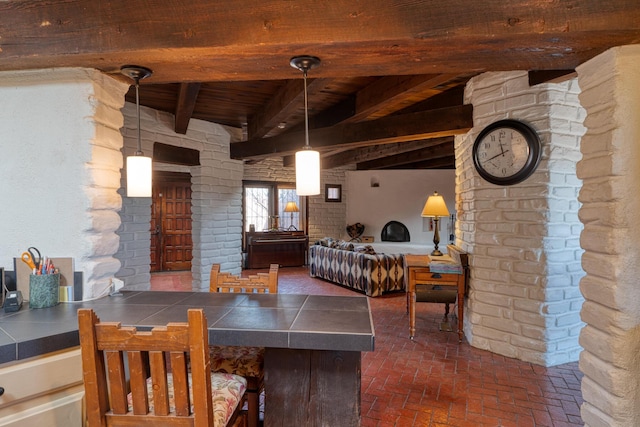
507 152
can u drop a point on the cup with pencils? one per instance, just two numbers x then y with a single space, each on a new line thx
44 285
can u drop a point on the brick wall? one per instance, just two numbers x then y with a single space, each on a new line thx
524 300
610 170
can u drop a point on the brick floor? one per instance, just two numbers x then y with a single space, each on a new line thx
433 380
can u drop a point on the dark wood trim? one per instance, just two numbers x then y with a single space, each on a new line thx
171 154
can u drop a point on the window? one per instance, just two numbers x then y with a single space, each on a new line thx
264 207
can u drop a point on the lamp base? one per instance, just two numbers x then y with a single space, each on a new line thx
436 253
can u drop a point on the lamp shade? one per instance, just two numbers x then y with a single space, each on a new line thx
307 172
435 206
291 207
138 176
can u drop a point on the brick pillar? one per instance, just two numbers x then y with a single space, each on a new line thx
524 300
610 170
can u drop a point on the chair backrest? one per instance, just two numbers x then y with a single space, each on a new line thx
255 283
108 379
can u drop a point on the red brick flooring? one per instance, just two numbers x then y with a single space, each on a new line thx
435 381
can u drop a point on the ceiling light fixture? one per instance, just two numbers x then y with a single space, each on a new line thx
307 160
138 166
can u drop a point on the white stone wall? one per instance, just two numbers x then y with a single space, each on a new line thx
524 300
61 169
325 219
610 170
216 198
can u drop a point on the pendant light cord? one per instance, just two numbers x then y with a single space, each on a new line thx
306 111
139 152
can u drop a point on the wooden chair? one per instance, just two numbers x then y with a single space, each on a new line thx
154 386
257 283
247 362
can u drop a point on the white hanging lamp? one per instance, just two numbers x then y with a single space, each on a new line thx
139 168
307 160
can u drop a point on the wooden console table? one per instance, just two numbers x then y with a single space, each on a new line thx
285 248
419 273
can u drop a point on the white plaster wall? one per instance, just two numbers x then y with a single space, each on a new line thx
61 160
216 198
610 170
524 300
400 196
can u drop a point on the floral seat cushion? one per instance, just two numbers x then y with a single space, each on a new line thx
243 361
227 392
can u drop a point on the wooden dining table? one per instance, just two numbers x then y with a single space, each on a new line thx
313 344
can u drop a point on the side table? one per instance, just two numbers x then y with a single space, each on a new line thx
419 273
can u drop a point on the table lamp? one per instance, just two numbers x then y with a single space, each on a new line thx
435 207
291 207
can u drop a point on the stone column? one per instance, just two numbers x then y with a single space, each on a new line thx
610 170
524 300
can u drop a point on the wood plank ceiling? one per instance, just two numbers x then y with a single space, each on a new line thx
389 91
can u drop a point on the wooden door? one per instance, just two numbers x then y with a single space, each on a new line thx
171 243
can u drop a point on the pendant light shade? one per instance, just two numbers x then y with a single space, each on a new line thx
307 160
138 176
307 172
139 167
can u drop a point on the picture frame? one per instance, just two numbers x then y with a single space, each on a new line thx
333 193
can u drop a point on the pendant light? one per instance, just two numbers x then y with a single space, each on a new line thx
307 160
138 166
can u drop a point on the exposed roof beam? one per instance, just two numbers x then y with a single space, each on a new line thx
366 38
187 97
439 163
399 128
283 104
365 154
403 159
391 94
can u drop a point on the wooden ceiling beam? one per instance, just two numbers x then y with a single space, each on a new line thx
360 155
187 97
277 110
255 40
399 128
390 94
402 159
439 163
285 104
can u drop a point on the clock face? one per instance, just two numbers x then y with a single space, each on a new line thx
506 152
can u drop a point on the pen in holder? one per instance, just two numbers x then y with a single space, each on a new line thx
44 290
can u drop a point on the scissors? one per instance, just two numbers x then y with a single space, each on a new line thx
30 257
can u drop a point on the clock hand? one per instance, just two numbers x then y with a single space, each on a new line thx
497 155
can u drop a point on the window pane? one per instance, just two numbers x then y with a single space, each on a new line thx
256 208
288 220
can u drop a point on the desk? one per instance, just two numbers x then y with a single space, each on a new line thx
419 273
313 342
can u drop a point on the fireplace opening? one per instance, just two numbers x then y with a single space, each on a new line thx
395 231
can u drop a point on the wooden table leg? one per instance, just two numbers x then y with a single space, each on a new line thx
312 388
460 307
412 313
